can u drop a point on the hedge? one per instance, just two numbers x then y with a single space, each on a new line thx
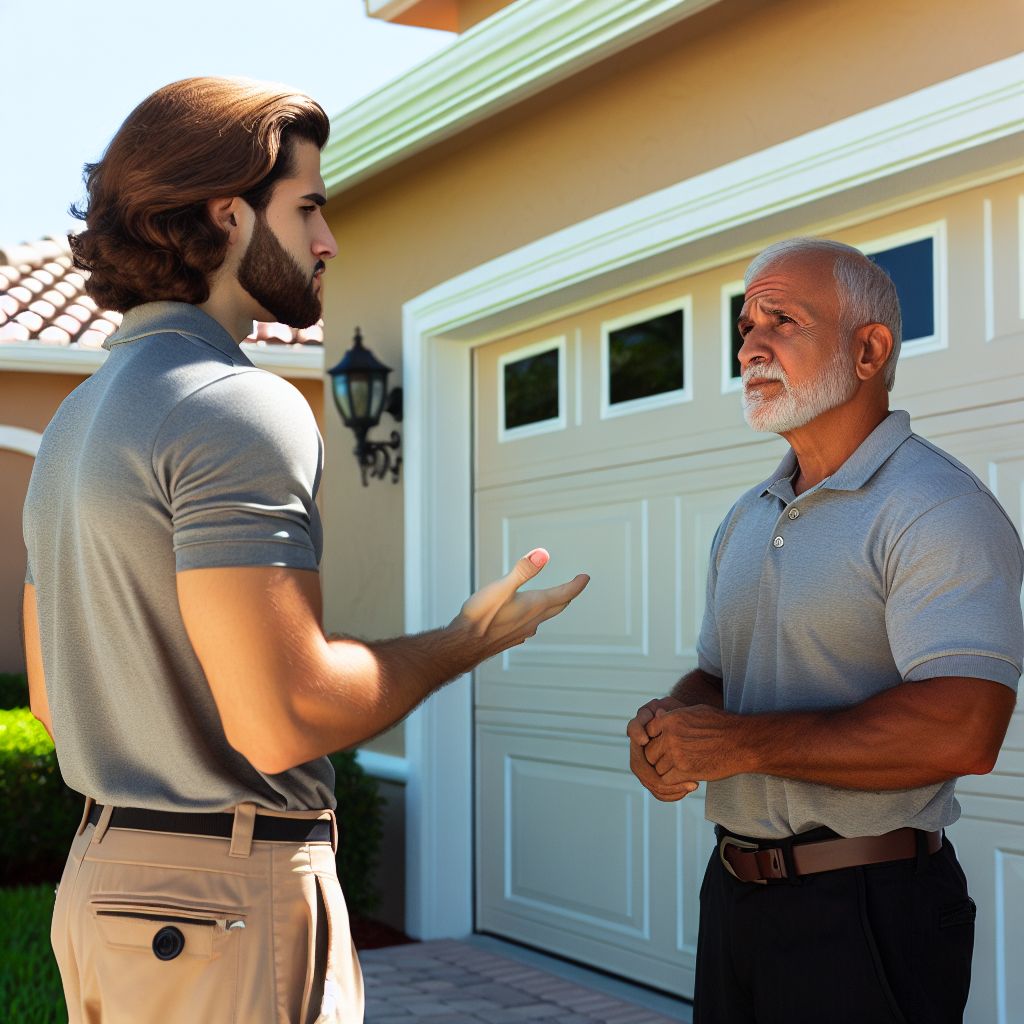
30 990
39 814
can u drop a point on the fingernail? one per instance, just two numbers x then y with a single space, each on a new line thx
539 557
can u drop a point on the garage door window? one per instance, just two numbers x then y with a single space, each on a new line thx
531 390
915 261
645 359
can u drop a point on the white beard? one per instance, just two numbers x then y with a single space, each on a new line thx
797 406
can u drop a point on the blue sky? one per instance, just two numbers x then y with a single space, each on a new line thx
73 71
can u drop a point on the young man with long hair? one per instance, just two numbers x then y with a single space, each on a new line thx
172 608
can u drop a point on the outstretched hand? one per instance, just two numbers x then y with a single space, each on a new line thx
500 616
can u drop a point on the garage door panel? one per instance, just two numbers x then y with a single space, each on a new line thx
571 843
610 541
608 695
992 855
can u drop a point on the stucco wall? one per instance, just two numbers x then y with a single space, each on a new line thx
737 78
15 469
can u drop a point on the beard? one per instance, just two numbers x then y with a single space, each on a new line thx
274 278
800 404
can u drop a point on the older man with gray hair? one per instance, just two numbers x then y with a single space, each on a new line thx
861 649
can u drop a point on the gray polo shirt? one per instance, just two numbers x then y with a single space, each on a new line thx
901 566
176 454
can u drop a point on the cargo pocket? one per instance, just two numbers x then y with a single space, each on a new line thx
165 961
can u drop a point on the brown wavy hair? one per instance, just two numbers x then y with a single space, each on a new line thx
148 233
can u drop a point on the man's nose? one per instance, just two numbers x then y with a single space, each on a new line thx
753 349
325 247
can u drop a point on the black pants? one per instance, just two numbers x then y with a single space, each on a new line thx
885 944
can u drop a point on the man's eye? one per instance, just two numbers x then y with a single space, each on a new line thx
308 209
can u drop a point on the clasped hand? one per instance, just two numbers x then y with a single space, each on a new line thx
672 746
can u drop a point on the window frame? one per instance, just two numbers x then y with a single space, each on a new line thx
678 396
729 290
506 434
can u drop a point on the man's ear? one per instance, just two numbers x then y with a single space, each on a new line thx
873 344
225 213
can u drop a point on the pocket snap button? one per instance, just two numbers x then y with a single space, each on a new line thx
168 943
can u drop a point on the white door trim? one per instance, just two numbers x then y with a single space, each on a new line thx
960 132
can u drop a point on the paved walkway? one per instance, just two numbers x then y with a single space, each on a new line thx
450 982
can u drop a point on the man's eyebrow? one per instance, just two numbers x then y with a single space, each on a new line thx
316 197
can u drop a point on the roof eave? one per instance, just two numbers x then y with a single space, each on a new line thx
510 56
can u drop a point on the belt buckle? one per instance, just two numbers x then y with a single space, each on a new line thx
741 844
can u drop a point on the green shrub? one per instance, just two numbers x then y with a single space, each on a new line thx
30 991
13 690
360 831
38 813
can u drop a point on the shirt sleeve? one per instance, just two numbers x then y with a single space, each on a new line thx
953 605
239 464
709 653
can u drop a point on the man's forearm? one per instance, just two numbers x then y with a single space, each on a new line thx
915 734
697 687
387 680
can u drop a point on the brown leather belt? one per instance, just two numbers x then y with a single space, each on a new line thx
749 861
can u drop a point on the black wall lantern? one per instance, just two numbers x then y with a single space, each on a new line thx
360 385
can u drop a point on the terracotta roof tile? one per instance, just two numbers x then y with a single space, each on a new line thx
43 300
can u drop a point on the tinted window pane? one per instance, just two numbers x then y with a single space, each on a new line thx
910 267
735 338
646 358
531 389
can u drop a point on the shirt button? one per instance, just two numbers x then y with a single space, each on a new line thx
794 513
778 542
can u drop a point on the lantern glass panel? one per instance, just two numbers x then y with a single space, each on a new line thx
341 397
359 389
377 397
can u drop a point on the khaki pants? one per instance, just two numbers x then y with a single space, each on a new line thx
160 928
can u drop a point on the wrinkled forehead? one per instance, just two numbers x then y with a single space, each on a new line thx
805 279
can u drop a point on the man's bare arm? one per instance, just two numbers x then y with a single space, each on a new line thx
914 734
287 694
34 659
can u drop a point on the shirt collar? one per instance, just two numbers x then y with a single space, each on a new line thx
179 317
873 451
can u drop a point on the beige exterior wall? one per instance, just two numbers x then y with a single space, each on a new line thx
732 80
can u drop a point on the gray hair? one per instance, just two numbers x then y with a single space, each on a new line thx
866 292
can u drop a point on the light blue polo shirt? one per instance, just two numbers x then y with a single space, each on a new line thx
901 566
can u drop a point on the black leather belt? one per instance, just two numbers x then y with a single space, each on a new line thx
767 860
265 828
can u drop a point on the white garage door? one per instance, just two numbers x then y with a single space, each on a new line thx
614 438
